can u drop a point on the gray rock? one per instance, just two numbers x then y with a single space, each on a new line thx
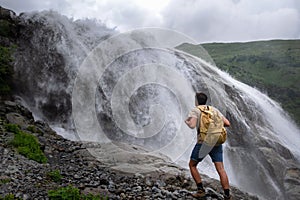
292 183
148 182
158 196
15 118
7 14
26 196
137 189
138 175
155 190
160 183
77 177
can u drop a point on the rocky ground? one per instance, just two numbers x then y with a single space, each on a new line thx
27 179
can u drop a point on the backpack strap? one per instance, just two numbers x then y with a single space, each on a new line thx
201 108
207 110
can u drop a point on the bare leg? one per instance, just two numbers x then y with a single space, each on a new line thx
194 171
222 173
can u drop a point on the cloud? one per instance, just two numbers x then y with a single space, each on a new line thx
244 20
123 14
203 20
34 5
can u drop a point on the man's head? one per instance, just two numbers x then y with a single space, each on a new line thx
200 98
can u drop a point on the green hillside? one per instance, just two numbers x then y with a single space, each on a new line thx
272 66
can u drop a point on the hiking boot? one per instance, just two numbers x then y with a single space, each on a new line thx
199 193
227 197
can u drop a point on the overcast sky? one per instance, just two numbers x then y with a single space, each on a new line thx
203 20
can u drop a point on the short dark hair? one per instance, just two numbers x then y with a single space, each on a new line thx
201 98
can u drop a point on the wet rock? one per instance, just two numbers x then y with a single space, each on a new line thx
15 118
292 183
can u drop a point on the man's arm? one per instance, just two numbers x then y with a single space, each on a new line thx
226 122
191 122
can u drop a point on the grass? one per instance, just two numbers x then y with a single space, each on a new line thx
26 144
70 192
55 175
4 181
5 28
34 129
272 66
9 197
64 193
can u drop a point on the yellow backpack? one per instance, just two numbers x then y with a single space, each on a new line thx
211 126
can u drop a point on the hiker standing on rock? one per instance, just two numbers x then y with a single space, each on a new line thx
210 135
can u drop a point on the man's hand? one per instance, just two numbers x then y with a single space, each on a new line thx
226 122
191 122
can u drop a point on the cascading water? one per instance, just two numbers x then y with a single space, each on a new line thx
263 144
143 96
50 49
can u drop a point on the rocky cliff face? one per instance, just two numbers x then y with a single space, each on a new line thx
40 56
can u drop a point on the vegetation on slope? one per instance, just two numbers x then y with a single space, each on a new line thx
272 66
6 49
6 70
26 144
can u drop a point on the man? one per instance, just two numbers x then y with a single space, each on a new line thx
215 152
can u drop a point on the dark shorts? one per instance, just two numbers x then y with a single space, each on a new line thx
201 150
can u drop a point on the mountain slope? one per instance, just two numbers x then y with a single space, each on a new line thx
272 66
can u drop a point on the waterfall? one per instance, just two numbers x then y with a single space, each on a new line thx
137 89
51 47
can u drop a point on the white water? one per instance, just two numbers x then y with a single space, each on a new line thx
280 127
260 128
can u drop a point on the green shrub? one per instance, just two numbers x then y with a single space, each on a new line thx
55 175
12 128
26 144
4 28
69 192
9 197
34 129
64 193
4 181
93 197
